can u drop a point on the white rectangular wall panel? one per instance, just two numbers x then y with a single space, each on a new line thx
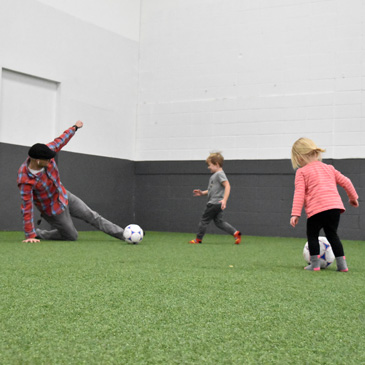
28 109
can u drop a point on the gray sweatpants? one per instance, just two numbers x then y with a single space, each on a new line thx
214 212
64 228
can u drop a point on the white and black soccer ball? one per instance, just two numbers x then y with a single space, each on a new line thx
133 233
326 255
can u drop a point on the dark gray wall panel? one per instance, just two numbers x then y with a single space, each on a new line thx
158 195
260 201
11 157
105 184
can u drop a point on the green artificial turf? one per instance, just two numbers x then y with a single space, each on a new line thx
102 301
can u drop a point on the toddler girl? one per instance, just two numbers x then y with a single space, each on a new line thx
316 189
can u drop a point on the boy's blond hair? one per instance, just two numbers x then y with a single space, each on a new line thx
215 158
303 151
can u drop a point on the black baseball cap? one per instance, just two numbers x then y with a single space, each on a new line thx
41 151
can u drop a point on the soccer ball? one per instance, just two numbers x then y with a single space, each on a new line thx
326 255
133 233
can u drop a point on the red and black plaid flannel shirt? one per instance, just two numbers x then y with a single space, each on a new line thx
45 190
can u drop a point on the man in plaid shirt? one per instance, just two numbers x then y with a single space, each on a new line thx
39 183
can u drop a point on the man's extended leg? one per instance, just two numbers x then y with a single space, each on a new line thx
79 209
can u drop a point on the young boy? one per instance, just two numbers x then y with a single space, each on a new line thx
218 193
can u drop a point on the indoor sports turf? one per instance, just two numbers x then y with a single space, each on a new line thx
164 301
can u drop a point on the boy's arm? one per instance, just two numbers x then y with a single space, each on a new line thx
227 191
198 192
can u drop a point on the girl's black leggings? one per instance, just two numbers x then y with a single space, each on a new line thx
329 221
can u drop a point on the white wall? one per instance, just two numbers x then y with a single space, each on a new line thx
119 16
245 77
96 70
250 77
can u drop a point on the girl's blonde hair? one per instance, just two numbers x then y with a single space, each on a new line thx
303 152
215 158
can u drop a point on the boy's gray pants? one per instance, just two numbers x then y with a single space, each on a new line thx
64 228
214 212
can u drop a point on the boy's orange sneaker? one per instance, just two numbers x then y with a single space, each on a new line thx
238 237
196 241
